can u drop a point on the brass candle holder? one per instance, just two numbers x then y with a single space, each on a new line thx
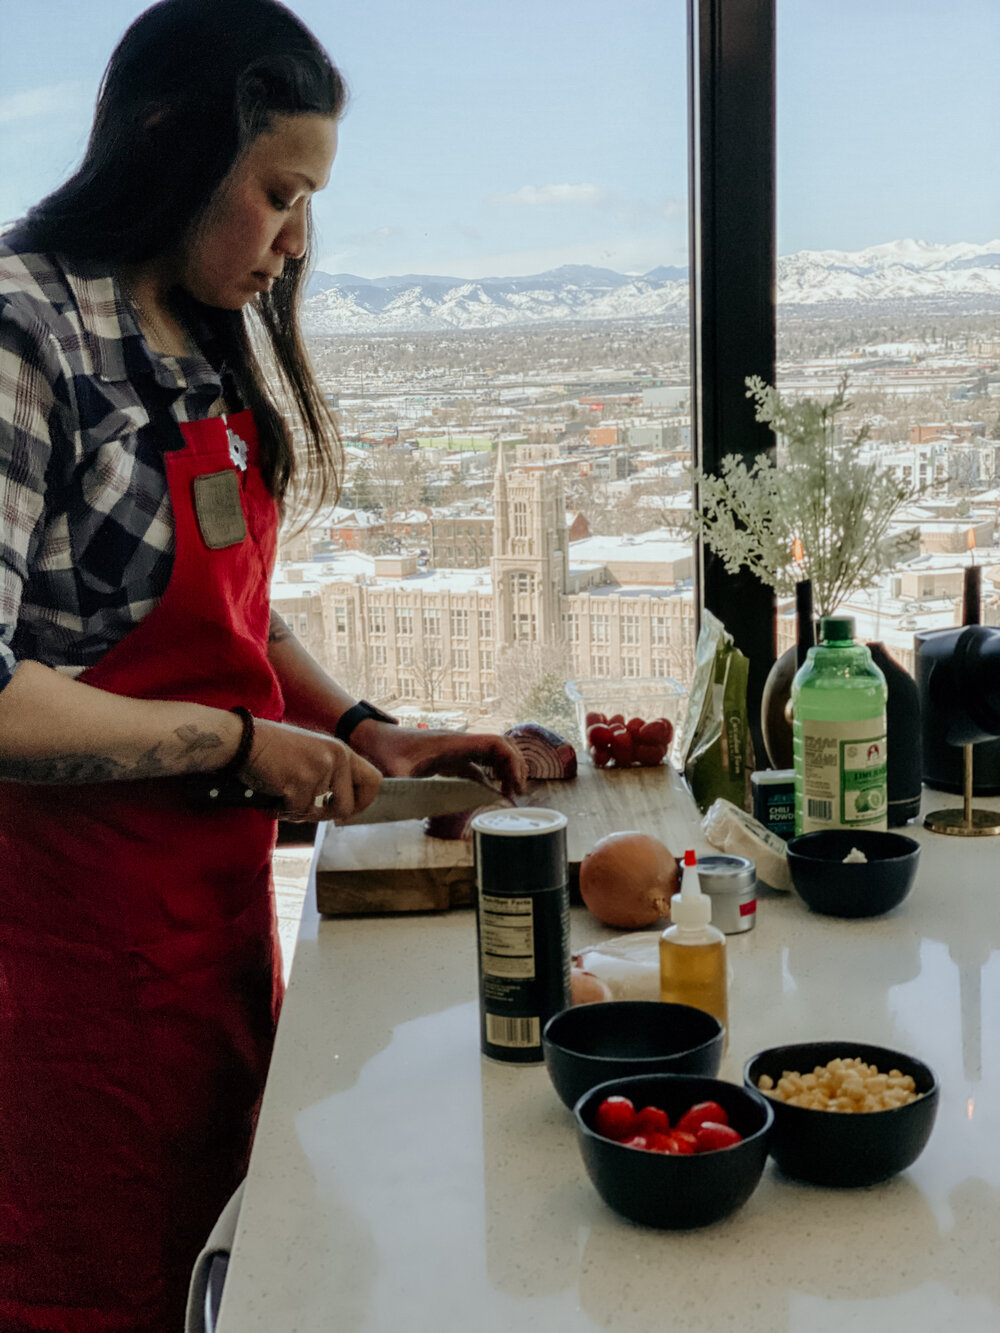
967 822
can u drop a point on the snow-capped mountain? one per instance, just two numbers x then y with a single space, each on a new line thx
897 271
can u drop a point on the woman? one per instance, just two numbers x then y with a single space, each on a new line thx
143 465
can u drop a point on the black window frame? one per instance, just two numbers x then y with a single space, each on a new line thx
732 194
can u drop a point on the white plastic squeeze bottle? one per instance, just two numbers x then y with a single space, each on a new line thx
692 950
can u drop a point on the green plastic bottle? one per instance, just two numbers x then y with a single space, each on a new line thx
838 704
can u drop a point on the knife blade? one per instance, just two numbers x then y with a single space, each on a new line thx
416 798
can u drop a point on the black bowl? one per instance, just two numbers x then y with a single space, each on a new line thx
591 1043
828 884
661 1190
840 1148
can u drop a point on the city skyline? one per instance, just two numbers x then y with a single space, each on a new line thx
512 139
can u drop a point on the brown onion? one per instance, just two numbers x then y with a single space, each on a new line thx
585 988
627 879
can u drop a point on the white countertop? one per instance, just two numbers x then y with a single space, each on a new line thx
401 1181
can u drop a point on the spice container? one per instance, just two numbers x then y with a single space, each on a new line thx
731 883
522 927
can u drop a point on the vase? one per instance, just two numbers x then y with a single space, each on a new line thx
775 724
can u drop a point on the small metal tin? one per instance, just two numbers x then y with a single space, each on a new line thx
522 926
731 883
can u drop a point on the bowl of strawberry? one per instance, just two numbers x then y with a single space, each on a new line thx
620 742
674 1151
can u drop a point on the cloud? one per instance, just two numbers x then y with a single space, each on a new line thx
533 196
48 100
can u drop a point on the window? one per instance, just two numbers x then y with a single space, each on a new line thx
520 518
376 620
378 654
661 667
600 628
630 666
485 624
303 623
432 624
432 656
462 691
407 689
486 659
630 629
571 627
404 655
460 659
340 617
600 665
459 623
404 620
660 631
523 583
524 627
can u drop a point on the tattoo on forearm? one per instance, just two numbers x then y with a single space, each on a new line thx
76 769
279 630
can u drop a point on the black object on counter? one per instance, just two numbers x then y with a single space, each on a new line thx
835 1148
774 721
904 774
958 682
522 928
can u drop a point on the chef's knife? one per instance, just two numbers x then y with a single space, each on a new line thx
398 798
416 798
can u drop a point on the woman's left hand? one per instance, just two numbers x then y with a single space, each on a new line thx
401 752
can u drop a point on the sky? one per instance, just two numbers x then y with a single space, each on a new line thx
512 136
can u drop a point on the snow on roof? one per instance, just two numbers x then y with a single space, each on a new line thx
659 546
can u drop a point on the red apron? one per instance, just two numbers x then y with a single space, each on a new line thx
140 974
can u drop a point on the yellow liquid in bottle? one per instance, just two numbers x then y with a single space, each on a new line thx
695 974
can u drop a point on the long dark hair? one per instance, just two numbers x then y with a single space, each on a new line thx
187 90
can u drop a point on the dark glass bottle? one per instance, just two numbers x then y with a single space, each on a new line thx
902 716
774 720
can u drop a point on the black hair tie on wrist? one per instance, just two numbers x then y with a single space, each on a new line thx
224 789
245 746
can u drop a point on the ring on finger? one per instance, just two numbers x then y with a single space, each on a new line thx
322 799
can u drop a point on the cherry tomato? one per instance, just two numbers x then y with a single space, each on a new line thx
634 725
616 720
591 718
660 1143
599 734
651 1120
637 1141
621 747
615 1118
601 756
655 733
685 1143
649 755
712 1136
699 1113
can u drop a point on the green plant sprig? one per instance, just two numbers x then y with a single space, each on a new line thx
818 490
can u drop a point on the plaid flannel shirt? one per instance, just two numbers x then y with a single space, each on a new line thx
86 413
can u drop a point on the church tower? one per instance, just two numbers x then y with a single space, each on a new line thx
530 565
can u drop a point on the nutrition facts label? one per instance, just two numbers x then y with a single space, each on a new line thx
507 937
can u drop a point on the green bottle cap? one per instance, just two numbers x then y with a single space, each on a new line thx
836 628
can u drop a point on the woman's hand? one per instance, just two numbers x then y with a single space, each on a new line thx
317 777
402 752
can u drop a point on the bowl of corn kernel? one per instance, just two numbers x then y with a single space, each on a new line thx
845 1113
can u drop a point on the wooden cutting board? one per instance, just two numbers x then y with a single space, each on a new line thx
377 868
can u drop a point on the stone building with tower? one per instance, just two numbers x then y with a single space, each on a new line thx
398 632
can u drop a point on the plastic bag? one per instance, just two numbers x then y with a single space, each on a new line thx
714 747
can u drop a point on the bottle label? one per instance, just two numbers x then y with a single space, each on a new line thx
844 774
524 969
